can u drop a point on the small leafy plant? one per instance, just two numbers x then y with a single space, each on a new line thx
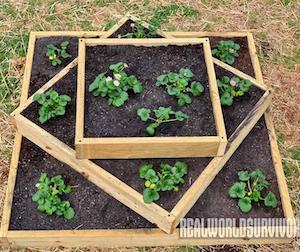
115 87
139 31
167 179
53 105
229 88
47 196
179 85
162 115
227 51
56 54
250 189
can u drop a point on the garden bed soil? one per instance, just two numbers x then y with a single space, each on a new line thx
42 69
147 63
89 196
126 170
241 63
97 210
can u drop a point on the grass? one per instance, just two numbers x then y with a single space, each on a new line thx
276 27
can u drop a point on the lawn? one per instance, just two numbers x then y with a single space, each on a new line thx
274 23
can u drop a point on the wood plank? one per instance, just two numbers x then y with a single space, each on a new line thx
115 27
46 86
79 126
145 42
123 238
259 108
191 34
17 142
97 175
83 34
215 166
147 147
240 74
215 98
281 180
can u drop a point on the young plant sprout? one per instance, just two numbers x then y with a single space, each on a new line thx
116 85
139 31
179 85
167 179
229 88
227 51
48 196
161 115
56 54
250 190
53 105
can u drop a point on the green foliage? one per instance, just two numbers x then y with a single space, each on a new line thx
231 88
161 14
56 54
48 196
139 31
250 189
162 115
53 105
226 51
115 88
167 179
179 85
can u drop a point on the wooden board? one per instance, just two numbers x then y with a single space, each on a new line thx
146 147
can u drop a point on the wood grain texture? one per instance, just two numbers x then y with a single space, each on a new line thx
182 34
17 144
147 147
123 238
215 98
81 34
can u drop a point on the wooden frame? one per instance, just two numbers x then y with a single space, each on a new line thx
148 147
135 237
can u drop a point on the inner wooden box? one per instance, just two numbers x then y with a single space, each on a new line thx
102 142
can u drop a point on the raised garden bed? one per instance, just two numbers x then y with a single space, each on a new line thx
102 131
125 232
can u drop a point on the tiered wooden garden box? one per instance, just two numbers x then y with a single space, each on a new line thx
145 234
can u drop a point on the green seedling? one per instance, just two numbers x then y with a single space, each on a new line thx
139 31
48 196
56 54
53 105
227 51
179 85
250 189
167 179
162 115
229 88
116 86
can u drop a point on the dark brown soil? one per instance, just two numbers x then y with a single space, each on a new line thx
96 209
147 63
42 70
236 113
243 62
63 127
